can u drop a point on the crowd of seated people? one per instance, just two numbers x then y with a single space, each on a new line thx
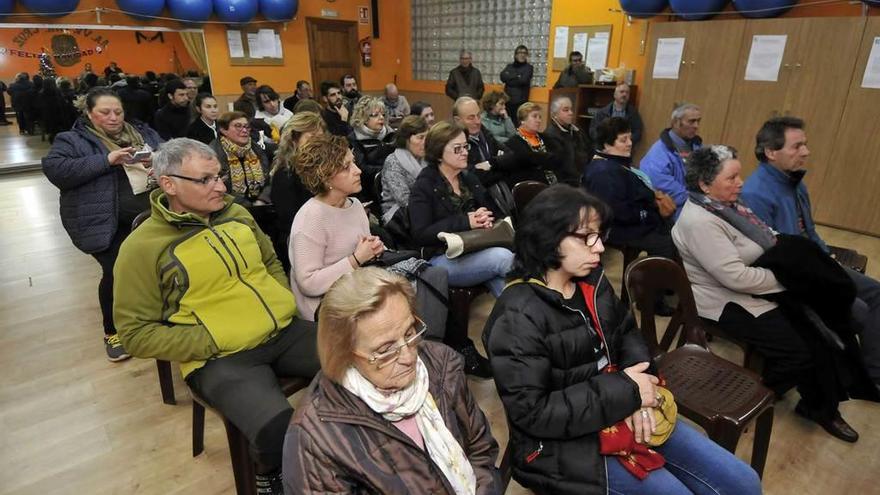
253 263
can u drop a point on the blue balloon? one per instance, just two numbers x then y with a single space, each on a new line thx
778 7
235 10
50 7
137 8
279 10
643 8
875 3
6 7
695 10
190 10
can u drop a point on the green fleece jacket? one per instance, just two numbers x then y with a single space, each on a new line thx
189 290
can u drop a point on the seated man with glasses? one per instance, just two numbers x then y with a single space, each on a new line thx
199 283
388 413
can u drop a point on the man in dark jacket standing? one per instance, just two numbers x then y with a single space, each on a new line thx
172 120
3 89
517 79
18 92
568 140
465 80
620 107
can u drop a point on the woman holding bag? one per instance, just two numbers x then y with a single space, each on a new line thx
572 371
447 198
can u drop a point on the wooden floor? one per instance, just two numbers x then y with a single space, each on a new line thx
73 423
20 152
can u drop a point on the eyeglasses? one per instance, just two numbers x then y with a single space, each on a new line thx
239 127
590 238
204 181
458 148
412 338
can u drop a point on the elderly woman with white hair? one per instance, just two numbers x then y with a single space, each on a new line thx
719 239
371 139
389 412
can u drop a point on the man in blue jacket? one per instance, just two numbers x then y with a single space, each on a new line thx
777 194
664 162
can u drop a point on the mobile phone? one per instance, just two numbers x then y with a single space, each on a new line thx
139 155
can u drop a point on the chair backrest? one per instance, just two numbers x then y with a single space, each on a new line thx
524 192
646 280
377 187
141 218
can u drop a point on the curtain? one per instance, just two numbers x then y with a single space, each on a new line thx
195 46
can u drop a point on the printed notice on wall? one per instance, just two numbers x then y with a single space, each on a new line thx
560 42
871 79
668 58
253 41
579 42
597 52
233 39
765 58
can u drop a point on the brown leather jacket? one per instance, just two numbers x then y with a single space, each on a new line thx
336 444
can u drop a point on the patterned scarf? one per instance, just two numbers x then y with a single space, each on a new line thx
245 169
138 176
534 140
416 400
740 217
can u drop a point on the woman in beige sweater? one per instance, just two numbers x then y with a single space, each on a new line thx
718 238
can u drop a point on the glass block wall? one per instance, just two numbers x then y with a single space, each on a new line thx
490 29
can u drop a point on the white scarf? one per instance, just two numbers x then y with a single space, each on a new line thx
443 448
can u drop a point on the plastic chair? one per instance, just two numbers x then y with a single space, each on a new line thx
243 469
523 193
716 394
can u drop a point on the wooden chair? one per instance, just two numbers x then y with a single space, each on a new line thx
523 193
163 368
630 254
243 469
850 258
716 394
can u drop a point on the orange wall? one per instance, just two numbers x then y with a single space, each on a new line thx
151 55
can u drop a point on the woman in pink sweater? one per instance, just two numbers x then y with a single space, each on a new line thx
330 235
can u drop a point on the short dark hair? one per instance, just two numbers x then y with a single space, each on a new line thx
343 78
227 118
608 130
491 98
551 216
772 135
326 86
300 83
173 85
202 97
438 137
575 54
97 92
409 127
418 107
307 106
704 165
268 91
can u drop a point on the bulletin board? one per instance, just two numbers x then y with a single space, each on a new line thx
246 45
583 33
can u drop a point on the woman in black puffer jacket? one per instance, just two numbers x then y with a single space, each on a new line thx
569 361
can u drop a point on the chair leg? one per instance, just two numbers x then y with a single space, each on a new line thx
166 381
726 435
763 428
198 429
242 465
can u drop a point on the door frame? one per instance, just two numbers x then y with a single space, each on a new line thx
311 24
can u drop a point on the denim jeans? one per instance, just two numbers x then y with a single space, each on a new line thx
694 464
488 267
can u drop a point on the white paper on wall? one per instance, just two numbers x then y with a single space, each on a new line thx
279 52
579 43
871 79
597 53
667 60
253 41
560 42
233 39
765 57
267 42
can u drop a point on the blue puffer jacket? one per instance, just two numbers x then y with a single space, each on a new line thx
77 164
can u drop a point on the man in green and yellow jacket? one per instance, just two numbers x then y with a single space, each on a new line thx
199 283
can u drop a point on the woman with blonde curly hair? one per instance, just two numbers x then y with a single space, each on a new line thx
371 139
288 193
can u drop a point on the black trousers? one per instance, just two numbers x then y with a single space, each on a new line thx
658 242
789 361
107 258
244 387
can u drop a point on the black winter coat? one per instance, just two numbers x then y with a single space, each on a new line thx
517 79
574 145
171 121
485 148
200 131
523 163
77 165
555 397
431 210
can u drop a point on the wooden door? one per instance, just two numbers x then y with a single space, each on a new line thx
333 50
824 59
658 96
753 102
852 179
708 76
